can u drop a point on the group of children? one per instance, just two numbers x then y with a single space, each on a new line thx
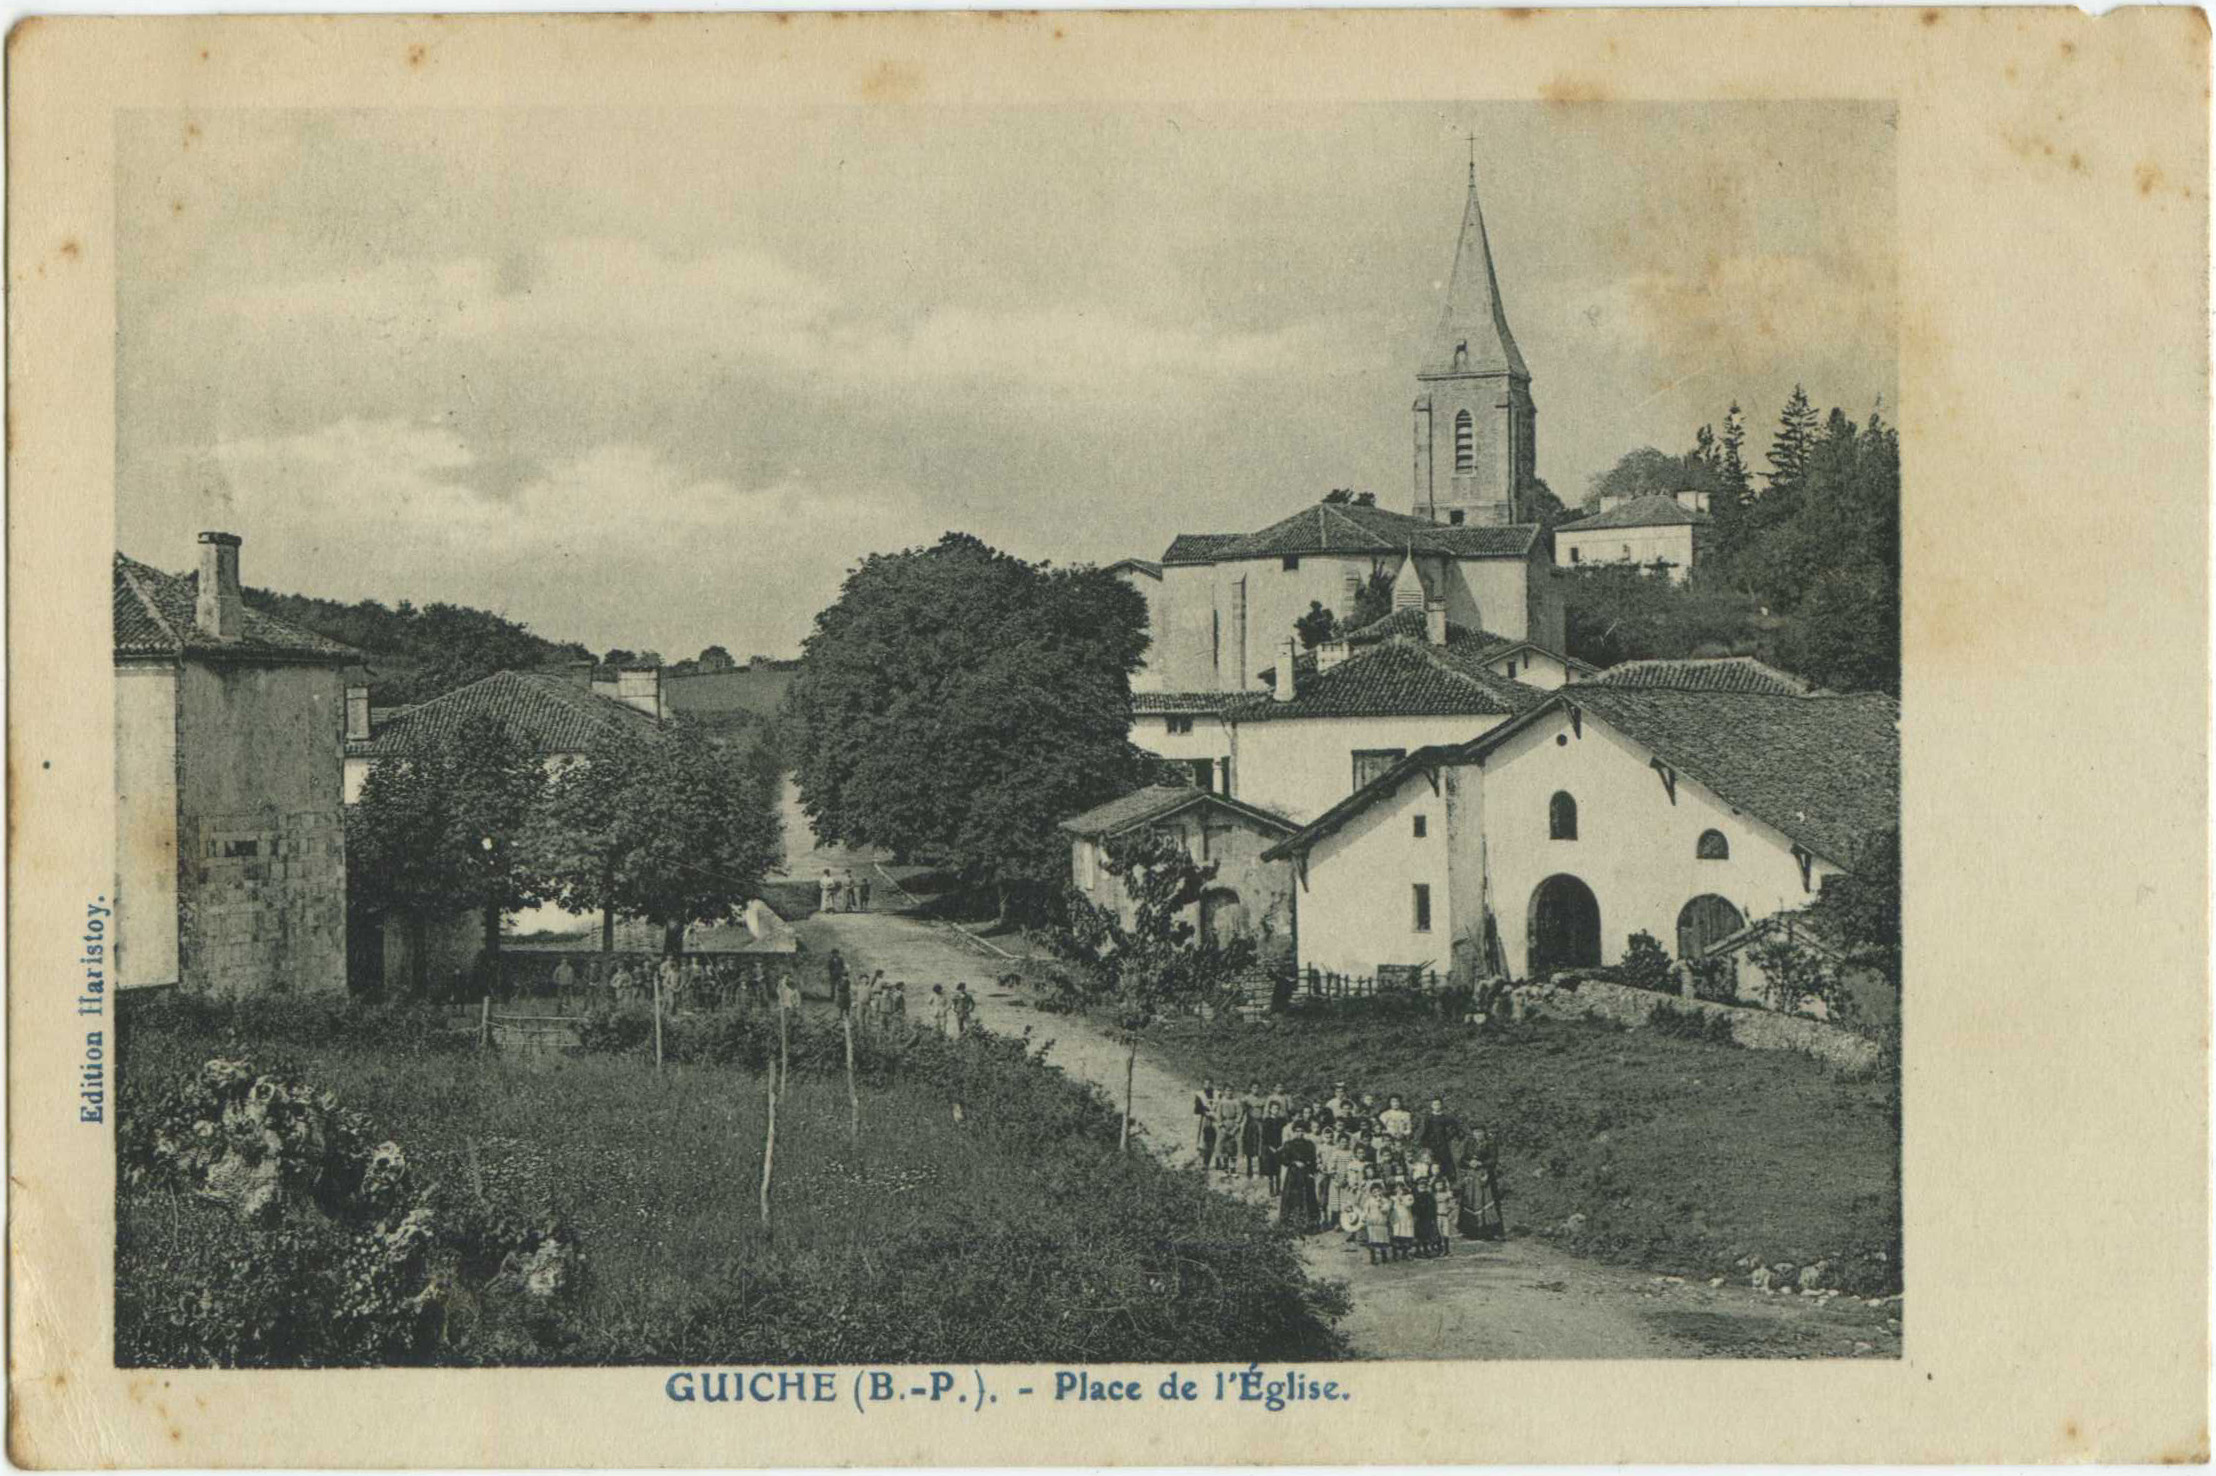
1396 1182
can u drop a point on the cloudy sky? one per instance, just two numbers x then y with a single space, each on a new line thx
659 380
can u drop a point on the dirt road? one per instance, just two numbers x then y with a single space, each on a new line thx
1517 1299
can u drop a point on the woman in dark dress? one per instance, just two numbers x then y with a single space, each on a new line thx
1272 1140
1296 1166
1479 1185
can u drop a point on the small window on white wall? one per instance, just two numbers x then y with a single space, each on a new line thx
1422 897
1712 846
1562 816
1422 826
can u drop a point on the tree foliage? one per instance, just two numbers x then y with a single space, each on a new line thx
1804 573
418 653
1862 908
443 830
954 704
673 832
1156 962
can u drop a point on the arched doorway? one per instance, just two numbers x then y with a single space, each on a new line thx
1565 926
1706 920
1222 915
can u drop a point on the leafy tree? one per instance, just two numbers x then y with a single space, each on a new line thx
1373 601
1790 449
677 831
1155 962
1621 612
417 654
1646 472
1863 907
955 703
620 657
443 830
1317 626
713 658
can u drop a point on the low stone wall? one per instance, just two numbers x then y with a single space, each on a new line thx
1759 1030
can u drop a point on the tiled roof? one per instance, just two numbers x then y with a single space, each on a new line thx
556 716
1351 528
1184 701
154 617
1655 510
1721 674
1197 548
1159 802
1397 679
1825 770
1144 566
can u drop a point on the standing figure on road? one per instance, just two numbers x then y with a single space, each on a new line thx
565 980
861 893
1233 1114
1204 1124
939 1011
965 1005
788 993
1296 1165
834 968
1479 1187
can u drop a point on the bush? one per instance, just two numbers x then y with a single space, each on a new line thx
1714 979
312 1242
1646 965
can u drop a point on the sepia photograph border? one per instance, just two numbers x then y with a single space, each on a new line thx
2052 228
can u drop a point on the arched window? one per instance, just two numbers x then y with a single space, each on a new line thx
1465 442
1712 846
1562 816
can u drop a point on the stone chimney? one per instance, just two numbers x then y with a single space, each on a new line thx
1693 501
1435 622
357 715
641 687
220 609
1282 689
581 671
1329 655
1350 595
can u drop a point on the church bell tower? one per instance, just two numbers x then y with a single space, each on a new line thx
1475 431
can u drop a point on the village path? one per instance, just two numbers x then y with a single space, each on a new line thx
1515 1299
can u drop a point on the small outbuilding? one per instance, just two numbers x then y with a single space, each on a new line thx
1250 897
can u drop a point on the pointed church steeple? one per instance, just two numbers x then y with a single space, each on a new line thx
1476 427
1473 336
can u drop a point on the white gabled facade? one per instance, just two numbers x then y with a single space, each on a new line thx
1475 827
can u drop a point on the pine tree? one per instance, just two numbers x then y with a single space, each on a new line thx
1789 449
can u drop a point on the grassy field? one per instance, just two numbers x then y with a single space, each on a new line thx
1682 1156
1016 1233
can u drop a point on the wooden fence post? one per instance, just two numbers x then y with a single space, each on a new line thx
853 1096
484 1022
657 1022
769 1146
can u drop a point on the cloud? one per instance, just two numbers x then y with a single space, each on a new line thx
631 548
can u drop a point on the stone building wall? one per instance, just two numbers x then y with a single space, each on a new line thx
261 835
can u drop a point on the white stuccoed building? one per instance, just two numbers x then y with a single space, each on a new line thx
1602 812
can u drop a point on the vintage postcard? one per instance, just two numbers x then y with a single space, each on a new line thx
1450 737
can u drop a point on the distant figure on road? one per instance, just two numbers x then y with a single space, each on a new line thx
788 995
1204 1124
861 894
565 979
940 1014
842 991
965 1005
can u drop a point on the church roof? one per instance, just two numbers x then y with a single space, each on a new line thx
554 714
154 616
1721 674
1351 528
1473 319
1655 510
